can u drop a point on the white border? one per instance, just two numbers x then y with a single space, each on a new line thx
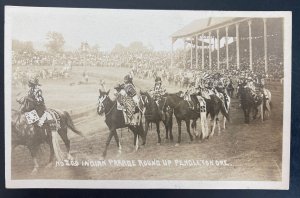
160 184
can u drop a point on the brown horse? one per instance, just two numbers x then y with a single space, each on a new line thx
32 135
114 120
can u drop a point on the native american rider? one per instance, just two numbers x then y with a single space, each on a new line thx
158 92
192 90
128 98
35 96
221 89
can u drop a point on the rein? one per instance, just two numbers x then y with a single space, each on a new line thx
106 114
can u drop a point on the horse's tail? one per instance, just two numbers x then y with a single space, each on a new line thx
71 125
225 112
271 105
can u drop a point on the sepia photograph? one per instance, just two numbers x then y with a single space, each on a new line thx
124 98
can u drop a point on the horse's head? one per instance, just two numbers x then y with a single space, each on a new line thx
102 101
147 100
26 104
20 127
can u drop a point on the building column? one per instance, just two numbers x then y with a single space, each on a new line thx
237 46
196 46
172 55
250 45
218 48
191 53
226 42
202 65
265 45
209 37
184 49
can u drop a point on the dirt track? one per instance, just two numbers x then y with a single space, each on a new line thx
253 152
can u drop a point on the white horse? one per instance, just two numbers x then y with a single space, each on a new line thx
264 108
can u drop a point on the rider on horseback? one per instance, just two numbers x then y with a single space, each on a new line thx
192 90
129 99
158 90
35 95
220 88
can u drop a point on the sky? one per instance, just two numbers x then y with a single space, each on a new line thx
104 27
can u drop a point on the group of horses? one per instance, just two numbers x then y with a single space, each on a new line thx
171 105
20 78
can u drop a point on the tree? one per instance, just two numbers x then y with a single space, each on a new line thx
119 48
55 42
95 48
137 46
22 46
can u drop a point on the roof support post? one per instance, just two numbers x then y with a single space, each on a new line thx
209 36
191 53
237 46
226 42
218 52
250 45
196 52
172 54
184 51
202 65
265 45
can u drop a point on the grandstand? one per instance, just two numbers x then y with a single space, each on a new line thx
232 43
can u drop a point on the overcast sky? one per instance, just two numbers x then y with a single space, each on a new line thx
104 27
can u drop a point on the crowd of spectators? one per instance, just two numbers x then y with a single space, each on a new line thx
151 60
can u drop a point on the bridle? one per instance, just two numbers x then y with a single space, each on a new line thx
100 104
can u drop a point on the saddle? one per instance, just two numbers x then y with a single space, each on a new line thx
192 104
50 116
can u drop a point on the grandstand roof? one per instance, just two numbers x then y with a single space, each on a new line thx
202 25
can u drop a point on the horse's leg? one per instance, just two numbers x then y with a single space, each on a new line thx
187 123
33 152
167 129
146 126
245 114
107 142
170 126
49 140
213 126
218 124
158 132
118 142
179 132
224 123
64 136
194 126
261 109
136 141
203 121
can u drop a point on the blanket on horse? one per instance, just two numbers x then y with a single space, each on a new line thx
127 104
50 116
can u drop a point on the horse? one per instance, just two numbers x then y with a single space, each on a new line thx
267 103
114 120
248 103
264 105
214 106
230 89
183 112
224 96
155 114
32 135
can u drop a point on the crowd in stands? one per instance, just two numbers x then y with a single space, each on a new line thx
150 60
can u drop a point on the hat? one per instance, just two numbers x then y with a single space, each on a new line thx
33 82
158 79
128 78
